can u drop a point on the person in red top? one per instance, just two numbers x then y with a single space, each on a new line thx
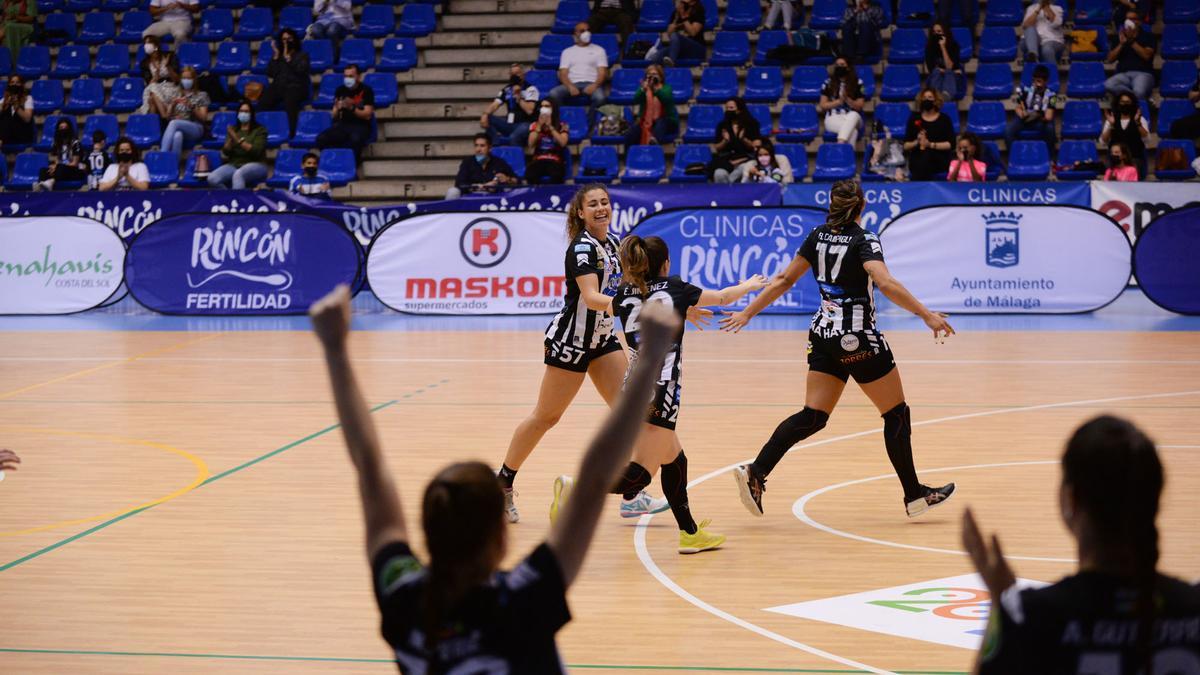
548 146
1121 166
966 167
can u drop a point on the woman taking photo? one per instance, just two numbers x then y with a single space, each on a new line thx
942 61
657 118
160 72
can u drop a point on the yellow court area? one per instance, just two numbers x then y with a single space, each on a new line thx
185 503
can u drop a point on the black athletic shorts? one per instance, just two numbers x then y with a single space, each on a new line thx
664 407
863 355
576 359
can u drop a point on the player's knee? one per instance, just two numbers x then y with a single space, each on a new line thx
898 421
813 420
545 419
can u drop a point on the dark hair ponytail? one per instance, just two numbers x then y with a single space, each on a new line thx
846 203
642 259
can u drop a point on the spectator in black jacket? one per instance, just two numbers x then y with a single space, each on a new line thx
289 77
482 171
619 13
353 114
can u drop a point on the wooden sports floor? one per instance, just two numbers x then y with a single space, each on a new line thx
185 504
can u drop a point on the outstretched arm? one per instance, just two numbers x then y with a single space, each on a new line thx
610 449
735 321
897 293
731 294
381 506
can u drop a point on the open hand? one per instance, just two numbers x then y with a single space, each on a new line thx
734 322
331 317
699 317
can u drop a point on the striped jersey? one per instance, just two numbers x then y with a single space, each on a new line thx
672 291
847 293
575 324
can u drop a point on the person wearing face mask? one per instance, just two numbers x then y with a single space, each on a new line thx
1034 111
1120 164
582 70
172 17
684 36
481 172
17 25
765 168
310 182
547 145
16 116
521 99
1043 32
245 152
127 173
1134 56
1125 124
332 20
66 159
657 118
966 166
928 138
861 25
737 137
842 102
353 113
942 61
288 77
160 72
186 115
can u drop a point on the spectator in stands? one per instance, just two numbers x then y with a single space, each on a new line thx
657 118
942 61
290 81
66 158
966 165
128 172
19 22
245 153
1134 56
482 172
582 69
353 114
684 37
1125 124
928 138
619 13
98 159
1188 126
332 20
1034 111
185 116
842 101
310 182
784 9
737 139
1043 26
1120 164
173 17
861 26
16 115
547 145
1121 9
521 99
160 72
765 168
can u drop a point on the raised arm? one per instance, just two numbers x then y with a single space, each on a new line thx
731 294
897 293
380 504
736 321
610 449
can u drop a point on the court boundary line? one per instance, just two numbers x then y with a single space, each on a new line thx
643 552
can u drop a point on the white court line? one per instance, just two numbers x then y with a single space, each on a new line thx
438 359
1179 446
643 553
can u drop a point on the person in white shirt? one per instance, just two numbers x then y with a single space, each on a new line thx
1043 26
127 173
334 20
842 102
582 69
172 17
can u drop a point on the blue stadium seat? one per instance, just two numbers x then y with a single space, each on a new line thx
577 122
1101 47
1177 78
1189 151
894 116
86 95
768 40
1181 11
702 121
111 61
59 28
1086 80
544 80
717 85
338 164
710 14
689 154
730 49
644 164
569 13
742 15
416 20
655 16
954 115
98 28
118 5
762 113
296 18
329 84
1179 41
72 62
835 161
33 62
6 64
827 14
357 52
1092 13
806 84
47 6
991 157
513 156
239 85
994 81
764 84
232 58
900 83
196 55
597 158
220 122
263 58
1171 110
144 130
1052 82
79 6
320 54
287 167
377 21
634 62
47 96
384 86
46 139
308 126
682 85
798 123
625 83
867 75
215 25
163 167
1028 160
132 25
797 156
189 179
26 171
998 44
1081 119
1070 152
986 119
551 49
1004 13
915 13
611 44
94 123
966 42
256 23
908 46
276 122
398 55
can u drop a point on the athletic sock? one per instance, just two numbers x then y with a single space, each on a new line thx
674 484
897 437
634 480
507 476
789 432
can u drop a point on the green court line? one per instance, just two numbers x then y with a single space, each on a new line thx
341 659
245 465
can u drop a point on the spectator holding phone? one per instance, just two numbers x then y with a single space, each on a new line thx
657 117
521 99
1043 31
966 166
1034 110
942 60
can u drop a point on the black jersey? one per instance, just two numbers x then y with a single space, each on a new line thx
847 294
672 291
575 324
504 627
1086 623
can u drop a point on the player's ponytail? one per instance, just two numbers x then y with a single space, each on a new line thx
642 259
575 223
846 203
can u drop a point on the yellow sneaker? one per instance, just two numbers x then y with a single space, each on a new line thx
562 488
701 541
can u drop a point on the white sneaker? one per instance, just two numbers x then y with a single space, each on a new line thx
642 504
510 508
